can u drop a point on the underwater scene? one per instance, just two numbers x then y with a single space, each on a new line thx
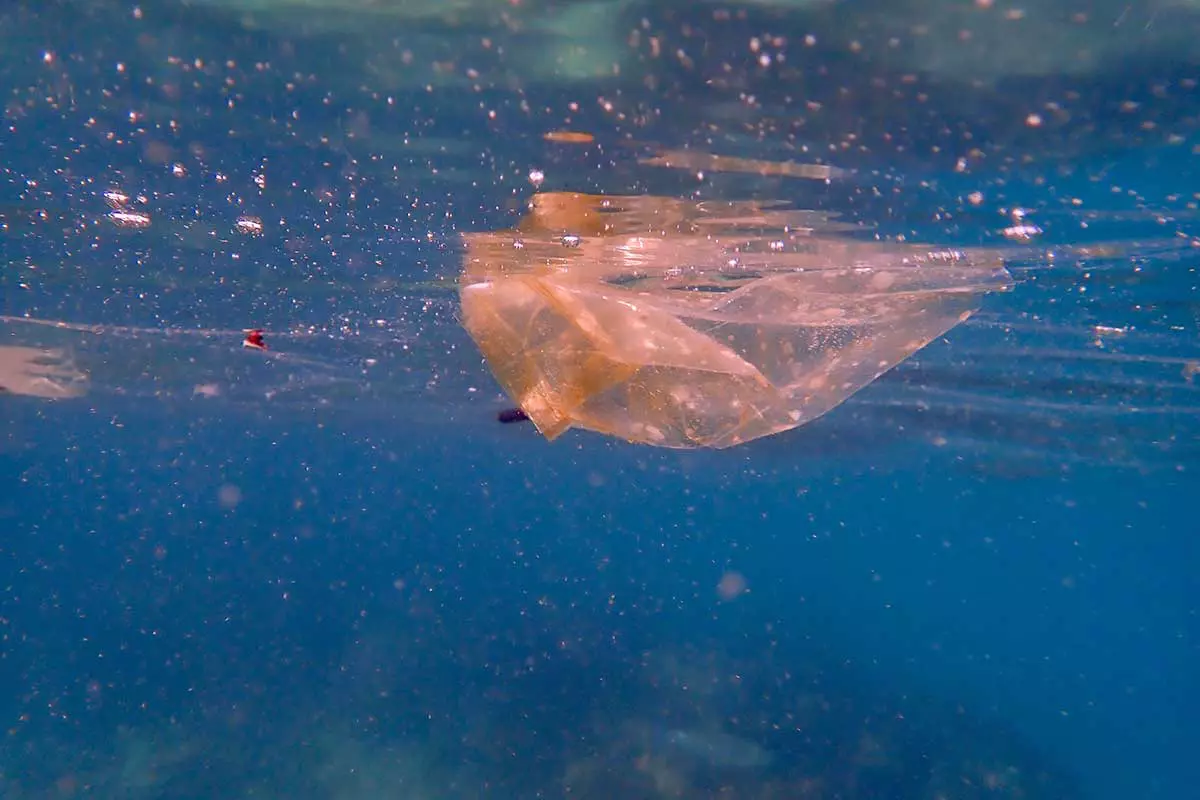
612 399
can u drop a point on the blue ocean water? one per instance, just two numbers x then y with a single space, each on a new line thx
325 571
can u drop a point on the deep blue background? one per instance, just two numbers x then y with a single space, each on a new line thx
395 565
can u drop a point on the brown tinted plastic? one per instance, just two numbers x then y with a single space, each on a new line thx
688 325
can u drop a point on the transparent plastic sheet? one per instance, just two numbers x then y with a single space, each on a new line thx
1045 377
352 366
684 325
39 372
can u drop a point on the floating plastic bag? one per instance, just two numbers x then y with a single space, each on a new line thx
686 325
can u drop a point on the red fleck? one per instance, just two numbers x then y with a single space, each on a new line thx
254 339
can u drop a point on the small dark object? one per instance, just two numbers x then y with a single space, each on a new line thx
510 415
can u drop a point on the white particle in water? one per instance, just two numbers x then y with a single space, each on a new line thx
251 226
129 219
